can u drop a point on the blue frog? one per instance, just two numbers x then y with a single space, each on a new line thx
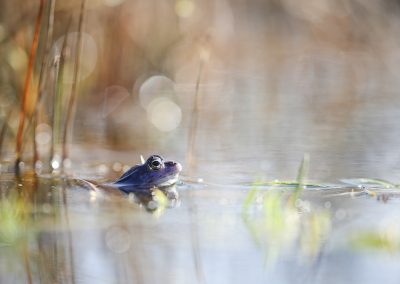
154 173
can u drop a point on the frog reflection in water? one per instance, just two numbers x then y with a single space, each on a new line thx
140 180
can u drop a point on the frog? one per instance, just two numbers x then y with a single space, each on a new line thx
155 172
140 182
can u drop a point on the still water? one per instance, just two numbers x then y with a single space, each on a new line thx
214 233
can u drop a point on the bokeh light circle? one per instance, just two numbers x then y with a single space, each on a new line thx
113 3
43 134
153 87
88 58
164 114
184 8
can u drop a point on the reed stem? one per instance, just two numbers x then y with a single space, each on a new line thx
194 120
43 74
27 88
72 101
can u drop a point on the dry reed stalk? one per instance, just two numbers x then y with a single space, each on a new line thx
27 88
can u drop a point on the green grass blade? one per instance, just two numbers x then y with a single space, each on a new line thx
303 171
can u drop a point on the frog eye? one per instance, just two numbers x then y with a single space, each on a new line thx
155 165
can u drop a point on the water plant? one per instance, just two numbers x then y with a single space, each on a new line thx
44 82
279 218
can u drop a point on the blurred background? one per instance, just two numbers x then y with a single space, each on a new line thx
237 91
278 79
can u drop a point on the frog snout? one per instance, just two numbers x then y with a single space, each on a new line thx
178 166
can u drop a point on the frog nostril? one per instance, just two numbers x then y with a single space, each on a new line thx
170 163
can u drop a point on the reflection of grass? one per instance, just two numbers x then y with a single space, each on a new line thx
385 238
375 240
316 227
15 229
14 221
162 202
278 219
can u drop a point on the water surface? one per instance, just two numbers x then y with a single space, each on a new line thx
71 235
